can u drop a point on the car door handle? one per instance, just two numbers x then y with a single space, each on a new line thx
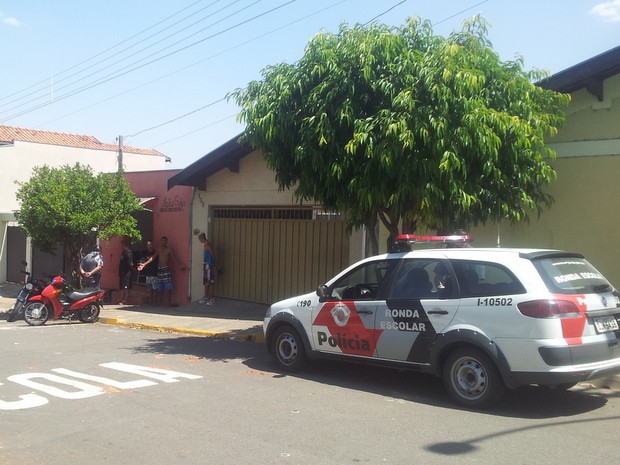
367 312
437 312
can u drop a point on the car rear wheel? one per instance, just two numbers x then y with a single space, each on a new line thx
472 379
288 349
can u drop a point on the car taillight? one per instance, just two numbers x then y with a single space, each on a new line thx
549 309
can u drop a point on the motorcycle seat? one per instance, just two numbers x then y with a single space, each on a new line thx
84 293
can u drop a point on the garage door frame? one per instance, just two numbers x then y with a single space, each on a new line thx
270 253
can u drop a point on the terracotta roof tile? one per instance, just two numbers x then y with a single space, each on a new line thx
11 134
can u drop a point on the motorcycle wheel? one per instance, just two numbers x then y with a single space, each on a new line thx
36 314
90 313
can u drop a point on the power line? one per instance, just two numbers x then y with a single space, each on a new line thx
118 74
233 115
178 117
384 13
459 13
260 36
110 76
226 51
222 52
45 81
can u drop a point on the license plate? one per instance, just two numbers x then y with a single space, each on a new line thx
604 324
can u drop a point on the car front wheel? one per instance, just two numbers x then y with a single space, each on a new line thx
472 379
288 349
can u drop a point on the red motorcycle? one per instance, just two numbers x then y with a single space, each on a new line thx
84 304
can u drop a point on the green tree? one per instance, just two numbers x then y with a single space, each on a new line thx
72 207
407 126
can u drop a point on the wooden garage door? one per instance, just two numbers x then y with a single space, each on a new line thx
271 254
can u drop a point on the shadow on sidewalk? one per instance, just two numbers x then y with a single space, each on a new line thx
9 290
224 309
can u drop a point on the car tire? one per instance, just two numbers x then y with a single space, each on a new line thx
471 378
288 349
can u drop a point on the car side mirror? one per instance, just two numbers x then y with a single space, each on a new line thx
322 291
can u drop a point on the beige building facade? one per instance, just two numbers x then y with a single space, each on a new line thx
268 245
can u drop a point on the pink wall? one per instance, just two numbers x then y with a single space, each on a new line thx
171 218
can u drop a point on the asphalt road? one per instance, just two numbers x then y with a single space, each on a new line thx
106 395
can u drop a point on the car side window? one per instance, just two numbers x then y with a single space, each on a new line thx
478 279
422 279
364 282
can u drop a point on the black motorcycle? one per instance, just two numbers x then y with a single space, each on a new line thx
30 288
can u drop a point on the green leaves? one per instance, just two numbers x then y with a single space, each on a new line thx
72 207
404 124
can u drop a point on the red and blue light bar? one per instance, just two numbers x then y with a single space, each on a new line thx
452 239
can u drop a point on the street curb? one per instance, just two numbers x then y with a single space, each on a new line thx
242 335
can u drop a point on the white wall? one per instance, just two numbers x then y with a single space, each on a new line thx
19 159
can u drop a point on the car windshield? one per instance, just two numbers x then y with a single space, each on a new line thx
571 275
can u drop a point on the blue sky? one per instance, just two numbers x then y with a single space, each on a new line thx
157 71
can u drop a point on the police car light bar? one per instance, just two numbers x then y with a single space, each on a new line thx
413 238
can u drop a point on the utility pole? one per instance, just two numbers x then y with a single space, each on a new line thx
120 153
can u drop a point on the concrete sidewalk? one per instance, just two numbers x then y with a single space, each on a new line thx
226 318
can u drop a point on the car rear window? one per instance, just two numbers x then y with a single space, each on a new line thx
479 279
571 275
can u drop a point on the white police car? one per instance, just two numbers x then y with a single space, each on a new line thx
483 319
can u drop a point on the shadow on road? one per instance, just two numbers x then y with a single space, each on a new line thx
530 402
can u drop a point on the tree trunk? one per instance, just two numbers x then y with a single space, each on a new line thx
392 226
372 239
73 255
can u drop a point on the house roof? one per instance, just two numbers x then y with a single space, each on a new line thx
588 74
8 135
227 155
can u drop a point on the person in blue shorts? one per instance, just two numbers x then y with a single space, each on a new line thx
208 278
150 271
164 277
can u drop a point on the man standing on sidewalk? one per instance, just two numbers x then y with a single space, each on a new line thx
164 278
125 269
208 278
90 268
150 271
